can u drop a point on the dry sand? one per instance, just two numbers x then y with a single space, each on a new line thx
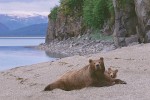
28 82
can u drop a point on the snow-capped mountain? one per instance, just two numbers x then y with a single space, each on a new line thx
25 15
14 21
23 25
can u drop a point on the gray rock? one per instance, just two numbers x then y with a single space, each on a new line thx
148 25
148 36
76 46
131 39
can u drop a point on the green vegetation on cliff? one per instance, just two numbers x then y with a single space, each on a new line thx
53 14
122 18
93 12
72 7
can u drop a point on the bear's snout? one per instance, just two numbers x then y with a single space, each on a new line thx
111 76
97 66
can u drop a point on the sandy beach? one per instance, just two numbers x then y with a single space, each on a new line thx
133 63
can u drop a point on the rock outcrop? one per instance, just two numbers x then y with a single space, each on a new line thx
143 13
64 27
133 20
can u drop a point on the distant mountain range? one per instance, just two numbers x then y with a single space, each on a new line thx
3 28
23 26
36 30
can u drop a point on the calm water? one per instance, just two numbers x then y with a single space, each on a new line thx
13 52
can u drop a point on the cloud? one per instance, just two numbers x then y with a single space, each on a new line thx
28 6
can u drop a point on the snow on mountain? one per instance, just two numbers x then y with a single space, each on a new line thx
25 14
15 21
23 24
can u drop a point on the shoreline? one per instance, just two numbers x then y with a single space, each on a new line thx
14 56
28 82
77 46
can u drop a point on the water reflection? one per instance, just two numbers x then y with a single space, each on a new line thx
14 56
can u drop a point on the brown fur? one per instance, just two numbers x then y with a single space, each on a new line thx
112 72
90 75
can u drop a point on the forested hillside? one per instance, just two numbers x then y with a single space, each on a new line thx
126 20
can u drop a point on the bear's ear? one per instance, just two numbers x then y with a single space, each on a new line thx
90 60
116 70
109 69
101 58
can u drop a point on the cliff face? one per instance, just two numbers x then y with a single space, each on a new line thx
143 13
125 23
64 27
132 24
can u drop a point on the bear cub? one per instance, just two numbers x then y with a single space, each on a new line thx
112 72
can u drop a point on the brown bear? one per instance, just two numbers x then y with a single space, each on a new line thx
112 72
90 75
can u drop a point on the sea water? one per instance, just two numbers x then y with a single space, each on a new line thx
18 51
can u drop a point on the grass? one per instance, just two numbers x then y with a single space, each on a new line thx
99 36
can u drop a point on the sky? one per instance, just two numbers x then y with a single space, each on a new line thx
29 7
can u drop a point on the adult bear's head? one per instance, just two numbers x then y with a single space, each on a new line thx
97 65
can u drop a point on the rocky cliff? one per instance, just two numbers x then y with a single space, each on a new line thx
142 8
131 24
64 27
